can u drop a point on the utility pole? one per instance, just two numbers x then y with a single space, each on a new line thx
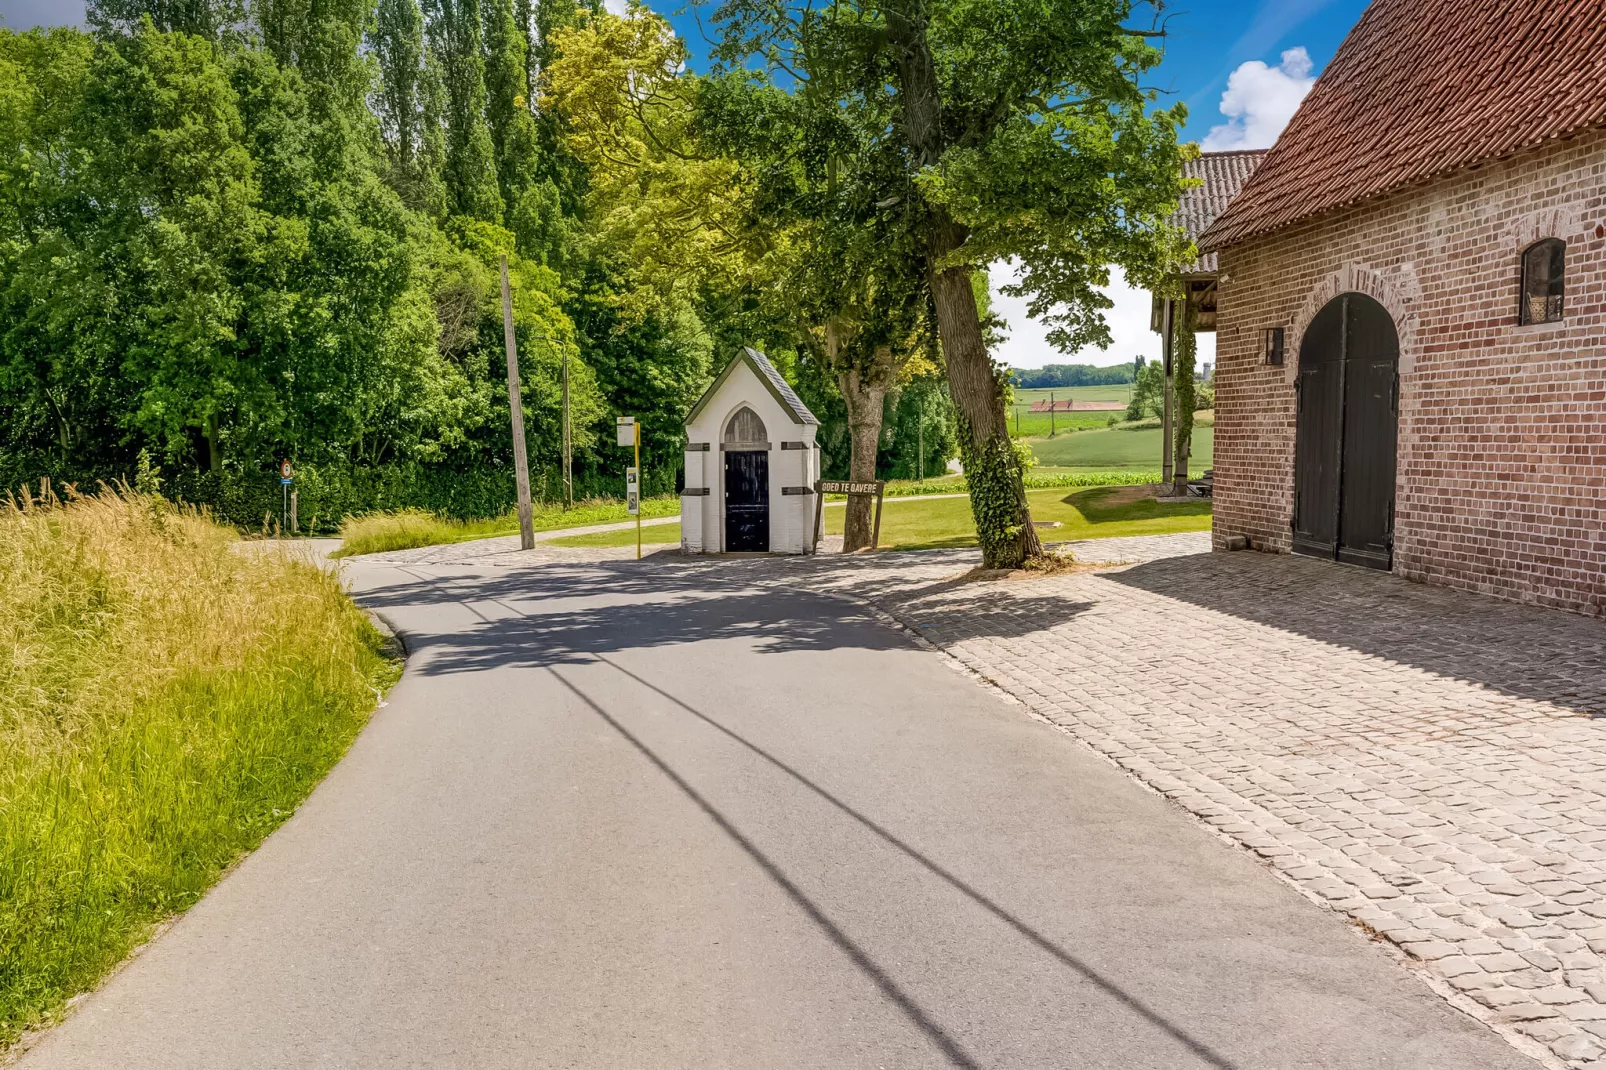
521 461
920 448
568 439
1166 343
1051 414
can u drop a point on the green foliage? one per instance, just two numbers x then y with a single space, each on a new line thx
921 417
1052 375
997 501
1148 393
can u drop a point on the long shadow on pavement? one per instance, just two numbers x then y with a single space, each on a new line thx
559 615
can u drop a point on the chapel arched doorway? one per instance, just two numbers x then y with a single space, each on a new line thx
1346 434
747 483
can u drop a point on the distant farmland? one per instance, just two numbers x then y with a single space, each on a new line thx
1027 424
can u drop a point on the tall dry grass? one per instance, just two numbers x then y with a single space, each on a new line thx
165 702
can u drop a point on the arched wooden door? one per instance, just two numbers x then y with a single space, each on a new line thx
747 484
1344 446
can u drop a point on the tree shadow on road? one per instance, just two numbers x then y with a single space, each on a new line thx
1523 651
560 614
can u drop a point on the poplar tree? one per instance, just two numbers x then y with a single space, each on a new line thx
456 39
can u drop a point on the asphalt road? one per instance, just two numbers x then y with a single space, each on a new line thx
623 816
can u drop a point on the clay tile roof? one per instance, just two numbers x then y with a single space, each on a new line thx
1420 88
1222 175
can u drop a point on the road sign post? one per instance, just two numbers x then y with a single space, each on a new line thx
286 478
630 435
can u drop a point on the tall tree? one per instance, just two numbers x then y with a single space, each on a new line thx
456 39
204 18
1029 136
408 107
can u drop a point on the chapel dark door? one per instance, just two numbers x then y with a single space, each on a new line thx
747 501
1345 438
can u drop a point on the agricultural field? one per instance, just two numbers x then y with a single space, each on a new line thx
1131 447
1023 423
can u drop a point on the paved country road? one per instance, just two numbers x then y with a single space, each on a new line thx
624 815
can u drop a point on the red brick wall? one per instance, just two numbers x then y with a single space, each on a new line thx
1501 482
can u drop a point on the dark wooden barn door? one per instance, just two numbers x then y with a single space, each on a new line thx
1318 437
747 501
1344 452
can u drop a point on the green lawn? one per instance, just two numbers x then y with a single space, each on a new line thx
651 535
1119 449
1101 512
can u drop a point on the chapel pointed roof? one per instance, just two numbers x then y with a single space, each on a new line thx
1420 88
767 374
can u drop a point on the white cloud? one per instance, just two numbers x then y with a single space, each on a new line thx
617 7
1259 101
1028 346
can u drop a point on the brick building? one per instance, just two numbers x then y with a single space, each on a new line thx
1411 334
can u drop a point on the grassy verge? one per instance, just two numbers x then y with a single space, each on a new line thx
408 529
651 535
1099 512
165 702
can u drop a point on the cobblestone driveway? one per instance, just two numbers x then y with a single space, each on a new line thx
1428 762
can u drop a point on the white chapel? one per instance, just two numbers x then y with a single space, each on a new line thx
751 465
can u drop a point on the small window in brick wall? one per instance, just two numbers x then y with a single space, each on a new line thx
1543 288
1274 345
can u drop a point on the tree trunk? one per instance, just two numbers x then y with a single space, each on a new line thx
992 469
865 399
214 457
1184 353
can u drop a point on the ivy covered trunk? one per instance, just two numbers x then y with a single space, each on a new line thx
865 398
1183 354
992 468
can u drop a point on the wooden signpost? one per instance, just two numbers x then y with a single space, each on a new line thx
823 487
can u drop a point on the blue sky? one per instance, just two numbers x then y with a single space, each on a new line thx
1241 66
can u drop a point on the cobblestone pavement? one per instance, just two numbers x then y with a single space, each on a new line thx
1430 763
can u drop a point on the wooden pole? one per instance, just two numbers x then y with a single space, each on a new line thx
1165 418
920 447
568 440
875 538
1051 414
521 461
819 516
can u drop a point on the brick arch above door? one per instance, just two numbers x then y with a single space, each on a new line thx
1398 291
